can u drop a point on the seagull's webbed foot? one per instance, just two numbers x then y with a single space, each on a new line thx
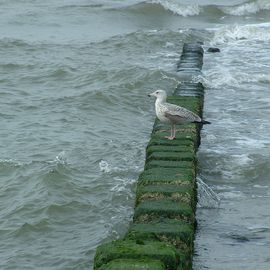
170 137
173 132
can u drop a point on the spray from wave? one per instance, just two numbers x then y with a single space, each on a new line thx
247 8
251 7
240 32
185 10
177 8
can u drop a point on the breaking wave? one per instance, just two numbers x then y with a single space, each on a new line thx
240 32
177 8
185 10
250 7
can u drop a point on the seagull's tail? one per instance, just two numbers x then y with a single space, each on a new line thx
203 122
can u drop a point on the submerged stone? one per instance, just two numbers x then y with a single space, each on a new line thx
133 264
130 249
179 193
168 148
176 232
152 210
176 176
182 156
213 50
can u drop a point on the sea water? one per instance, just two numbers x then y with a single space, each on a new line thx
75 120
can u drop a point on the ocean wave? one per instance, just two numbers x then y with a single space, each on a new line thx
226 78
247 8
178 8
10 163
250 7
186 10
12 42
40 226
240 32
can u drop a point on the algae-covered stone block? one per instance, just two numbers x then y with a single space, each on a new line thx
180 135
168 148
133 264
176 232
190 89
130 249
151 210
160 140
159 175
183 128
185 156
185 193
170 164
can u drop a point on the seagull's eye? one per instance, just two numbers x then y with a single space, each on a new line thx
157 92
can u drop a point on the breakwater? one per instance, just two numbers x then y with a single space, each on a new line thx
162 233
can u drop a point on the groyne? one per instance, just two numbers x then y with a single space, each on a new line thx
162 233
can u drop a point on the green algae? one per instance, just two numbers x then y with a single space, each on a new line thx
130 249
176 232
168 148
150 210
175 176
133 264
182 156
178 193
170 164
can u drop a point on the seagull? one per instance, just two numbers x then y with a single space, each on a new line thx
173 114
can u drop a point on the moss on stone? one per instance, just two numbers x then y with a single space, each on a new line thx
151 210
170 164
185 135
160 140
133 264
184 193
178 233
168 148
185 156
129 249
160 127
175 176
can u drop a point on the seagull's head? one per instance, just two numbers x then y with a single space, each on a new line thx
159 94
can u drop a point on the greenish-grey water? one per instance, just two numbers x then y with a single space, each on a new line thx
75 120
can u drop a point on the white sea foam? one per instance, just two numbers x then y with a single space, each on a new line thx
104 166
177 8
61 158
222 77
123 185
247 8
11 163
241 159
262 187
219 78
251 143
231 33
207 198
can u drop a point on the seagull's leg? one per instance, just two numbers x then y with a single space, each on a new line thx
172 133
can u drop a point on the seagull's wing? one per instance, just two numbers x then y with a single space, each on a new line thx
179 114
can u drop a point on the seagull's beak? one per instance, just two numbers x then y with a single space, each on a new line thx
151 95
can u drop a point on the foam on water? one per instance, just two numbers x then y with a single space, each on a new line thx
207 198
187 9
250 7
178 8
104 166
232 33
